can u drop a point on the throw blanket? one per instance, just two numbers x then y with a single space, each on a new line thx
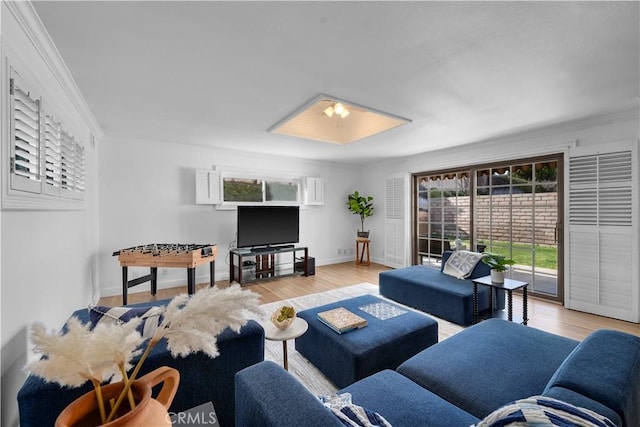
461 263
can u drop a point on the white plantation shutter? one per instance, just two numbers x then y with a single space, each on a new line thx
53 156
25 168
394 225
79 171
45 159
603 244
68 164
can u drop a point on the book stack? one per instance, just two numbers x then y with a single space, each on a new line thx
341 320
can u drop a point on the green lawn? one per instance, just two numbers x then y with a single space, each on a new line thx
546 256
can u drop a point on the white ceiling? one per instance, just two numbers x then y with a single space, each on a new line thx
222 73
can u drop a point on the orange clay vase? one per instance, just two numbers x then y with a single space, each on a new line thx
149 411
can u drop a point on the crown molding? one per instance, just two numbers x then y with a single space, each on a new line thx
34 29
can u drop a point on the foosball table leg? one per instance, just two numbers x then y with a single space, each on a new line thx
154 280
125 284
191 280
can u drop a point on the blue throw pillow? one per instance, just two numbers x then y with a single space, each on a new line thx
543 411
151 317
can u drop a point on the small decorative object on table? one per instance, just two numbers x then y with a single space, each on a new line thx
107 351
498 264
283 317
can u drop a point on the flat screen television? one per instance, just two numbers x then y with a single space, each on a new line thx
267 225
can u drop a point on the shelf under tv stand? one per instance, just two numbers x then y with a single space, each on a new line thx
263 263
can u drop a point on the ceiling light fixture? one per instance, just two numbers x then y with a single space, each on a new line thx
337 108
310 121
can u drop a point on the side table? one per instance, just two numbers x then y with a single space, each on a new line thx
509 285
297 328
365 248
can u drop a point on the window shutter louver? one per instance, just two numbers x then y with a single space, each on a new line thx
67 164
46 165
394 226
25 147
79 171
53 156
603 277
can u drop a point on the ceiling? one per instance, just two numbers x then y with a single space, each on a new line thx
222 73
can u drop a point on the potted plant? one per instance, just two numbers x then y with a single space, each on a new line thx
362 206
498 264
283 317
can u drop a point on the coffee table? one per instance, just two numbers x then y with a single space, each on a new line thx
386 342
297 328
509 285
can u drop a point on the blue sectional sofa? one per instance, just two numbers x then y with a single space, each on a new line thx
202 379
432 291
464 378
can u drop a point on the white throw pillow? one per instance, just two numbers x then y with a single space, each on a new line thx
461 263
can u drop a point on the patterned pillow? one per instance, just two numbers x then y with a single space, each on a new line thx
151 317
461 264
351 415
357 416
543 411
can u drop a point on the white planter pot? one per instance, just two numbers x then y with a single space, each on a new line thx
497 276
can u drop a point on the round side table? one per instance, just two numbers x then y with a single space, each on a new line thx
297 328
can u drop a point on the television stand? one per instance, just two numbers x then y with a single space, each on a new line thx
253 264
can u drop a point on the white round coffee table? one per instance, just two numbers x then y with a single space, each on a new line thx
297 328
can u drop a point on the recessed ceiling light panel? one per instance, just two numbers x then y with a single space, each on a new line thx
329 119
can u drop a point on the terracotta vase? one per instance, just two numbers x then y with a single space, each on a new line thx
149 411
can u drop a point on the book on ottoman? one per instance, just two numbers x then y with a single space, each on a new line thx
341 320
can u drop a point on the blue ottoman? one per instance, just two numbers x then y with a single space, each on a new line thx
382 344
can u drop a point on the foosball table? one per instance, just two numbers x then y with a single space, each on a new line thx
165 255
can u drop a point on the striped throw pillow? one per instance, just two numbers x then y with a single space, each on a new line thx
543 411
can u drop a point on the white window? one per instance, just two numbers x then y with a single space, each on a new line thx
249 188
46 162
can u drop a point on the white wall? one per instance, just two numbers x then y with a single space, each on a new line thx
47 257
147 195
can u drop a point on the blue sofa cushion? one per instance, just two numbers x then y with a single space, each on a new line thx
612 360
431 291
468 369
267 395
404 403
543 411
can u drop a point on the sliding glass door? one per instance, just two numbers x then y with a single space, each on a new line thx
514 209
442 213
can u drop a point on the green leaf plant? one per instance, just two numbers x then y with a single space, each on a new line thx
361 206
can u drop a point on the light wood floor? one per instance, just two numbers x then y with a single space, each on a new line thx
543 314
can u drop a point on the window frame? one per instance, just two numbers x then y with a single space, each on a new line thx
20 192
265 178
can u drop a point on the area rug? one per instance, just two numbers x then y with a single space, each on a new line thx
300 367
